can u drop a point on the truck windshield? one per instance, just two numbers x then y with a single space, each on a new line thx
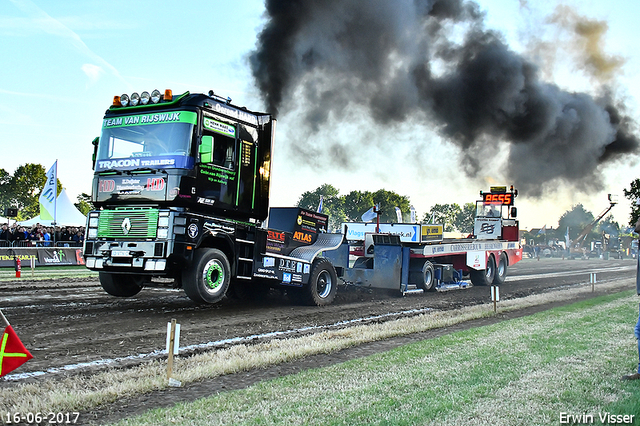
128 144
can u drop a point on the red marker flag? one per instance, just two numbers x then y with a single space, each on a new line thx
12 352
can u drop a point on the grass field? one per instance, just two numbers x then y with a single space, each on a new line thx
46 272
536 370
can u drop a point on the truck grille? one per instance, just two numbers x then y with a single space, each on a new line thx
128 223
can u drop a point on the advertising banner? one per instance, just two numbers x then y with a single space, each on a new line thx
44 256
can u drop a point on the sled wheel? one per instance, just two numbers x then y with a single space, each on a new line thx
484 277
501 270
428 280
208 277
121 285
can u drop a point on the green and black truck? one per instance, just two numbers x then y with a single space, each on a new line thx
181 189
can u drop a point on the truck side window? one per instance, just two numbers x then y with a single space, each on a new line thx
223 150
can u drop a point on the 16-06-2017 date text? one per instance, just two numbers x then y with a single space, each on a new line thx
50 418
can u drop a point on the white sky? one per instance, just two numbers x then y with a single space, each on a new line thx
63 61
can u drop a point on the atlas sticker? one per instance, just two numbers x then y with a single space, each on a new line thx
193 231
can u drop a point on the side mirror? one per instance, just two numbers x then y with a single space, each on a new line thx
206 149
95 151
514 212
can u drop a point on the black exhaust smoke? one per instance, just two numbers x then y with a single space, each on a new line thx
433 61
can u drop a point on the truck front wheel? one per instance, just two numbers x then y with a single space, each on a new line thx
207 279
323 284
484 277
120 285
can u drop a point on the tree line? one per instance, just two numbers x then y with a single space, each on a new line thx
350 207
21 190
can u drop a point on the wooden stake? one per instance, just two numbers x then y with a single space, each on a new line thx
4 319
172 340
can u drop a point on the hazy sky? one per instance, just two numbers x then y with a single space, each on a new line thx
64 61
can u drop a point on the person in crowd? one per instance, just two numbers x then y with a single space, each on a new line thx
636 330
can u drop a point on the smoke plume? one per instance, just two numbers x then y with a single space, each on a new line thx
433 61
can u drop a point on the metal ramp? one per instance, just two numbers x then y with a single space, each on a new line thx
324 242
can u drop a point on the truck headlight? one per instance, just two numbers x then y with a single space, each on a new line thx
92 233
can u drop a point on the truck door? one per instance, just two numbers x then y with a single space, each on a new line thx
217 166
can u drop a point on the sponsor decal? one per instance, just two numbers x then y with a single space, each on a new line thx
288 265
487 228
302 237
219 127
207 201
55 257
144 119
215 226
307 268
286 277
106 185
235 113
276 236
268 262
217 174
296 278
266 271
192 231
160 162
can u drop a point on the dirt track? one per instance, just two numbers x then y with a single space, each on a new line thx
69 323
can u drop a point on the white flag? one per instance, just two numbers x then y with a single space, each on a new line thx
49 194
369 215
413 214
398 214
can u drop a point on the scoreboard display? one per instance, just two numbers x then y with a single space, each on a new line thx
500 199
498 196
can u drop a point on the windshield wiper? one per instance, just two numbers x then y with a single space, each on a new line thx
146 170
110 172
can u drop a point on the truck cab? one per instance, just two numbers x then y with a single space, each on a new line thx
172 175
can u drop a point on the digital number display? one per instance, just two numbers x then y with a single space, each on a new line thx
502 199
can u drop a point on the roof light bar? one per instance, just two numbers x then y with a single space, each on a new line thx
145 98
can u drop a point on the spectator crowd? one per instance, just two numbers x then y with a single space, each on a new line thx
39 235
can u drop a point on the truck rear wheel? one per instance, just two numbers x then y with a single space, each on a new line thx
208 277
501 270
121 285
428 281
484 277
322 286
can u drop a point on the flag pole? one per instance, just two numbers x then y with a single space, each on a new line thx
4 319
55 199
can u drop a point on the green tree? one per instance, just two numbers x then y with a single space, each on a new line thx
332 203
388 201
446 214
22 190
633 194
465 219
356 203
84 204
576 219
5 190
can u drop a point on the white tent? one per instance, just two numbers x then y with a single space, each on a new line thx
66 214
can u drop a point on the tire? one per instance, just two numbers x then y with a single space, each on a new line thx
501 270
428 282
121 285
484 277
322 286
208 277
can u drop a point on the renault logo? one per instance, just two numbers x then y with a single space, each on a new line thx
126 226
